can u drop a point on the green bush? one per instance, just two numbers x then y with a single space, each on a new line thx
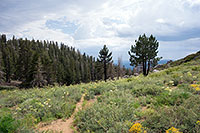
146 89
114 110
171 98
183 117
8 124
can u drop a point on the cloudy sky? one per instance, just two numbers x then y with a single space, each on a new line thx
89 24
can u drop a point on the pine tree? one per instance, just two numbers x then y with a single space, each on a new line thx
27 63
1 63
105 58
39 63
7 59
37 73
49 73
144 52
99 71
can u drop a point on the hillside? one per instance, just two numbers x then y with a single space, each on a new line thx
186 59
168 100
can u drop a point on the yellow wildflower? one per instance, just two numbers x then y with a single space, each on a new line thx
173 130
197 89
198 122
137 128
196 86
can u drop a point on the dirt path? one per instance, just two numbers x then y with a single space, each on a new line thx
65 126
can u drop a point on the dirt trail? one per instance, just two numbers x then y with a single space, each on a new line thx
65 126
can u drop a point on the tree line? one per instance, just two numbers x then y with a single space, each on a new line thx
35 63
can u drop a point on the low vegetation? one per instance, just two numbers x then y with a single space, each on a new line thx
165 101
24 109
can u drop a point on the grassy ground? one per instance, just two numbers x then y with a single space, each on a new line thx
163 100
23 109
169 98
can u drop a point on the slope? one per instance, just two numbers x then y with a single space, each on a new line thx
165 99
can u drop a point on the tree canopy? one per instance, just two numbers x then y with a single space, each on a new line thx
144 52
105 57
34 63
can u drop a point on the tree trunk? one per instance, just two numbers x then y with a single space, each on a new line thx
8 78
148 69
105 71
144 67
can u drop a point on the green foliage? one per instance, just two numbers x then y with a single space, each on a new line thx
144 89
144 53
108 115
8 124
160 101
35 105
184 117
171 98
105 57
40 63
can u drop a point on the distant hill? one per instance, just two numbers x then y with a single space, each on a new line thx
127 63
188 58
163 62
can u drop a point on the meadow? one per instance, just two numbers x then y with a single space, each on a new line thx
165 101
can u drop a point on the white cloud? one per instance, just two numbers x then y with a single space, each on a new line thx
39 31
179 49
160 20
193 2
116 23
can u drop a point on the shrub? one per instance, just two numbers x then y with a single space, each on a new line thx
146 89
110 114
184 117
173 130
175 97
8 124
137 128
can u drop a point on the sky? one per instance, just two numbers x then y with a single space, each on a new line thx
87 25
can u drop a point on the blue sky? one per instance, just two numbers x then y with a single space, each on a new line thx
89 24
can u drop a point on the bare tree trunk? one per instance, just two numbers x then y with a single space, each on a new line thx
105 71
144 67
148 67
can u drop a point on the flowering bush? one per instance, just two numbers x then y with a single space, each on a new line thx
173 130
196 86
137 128
198 122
